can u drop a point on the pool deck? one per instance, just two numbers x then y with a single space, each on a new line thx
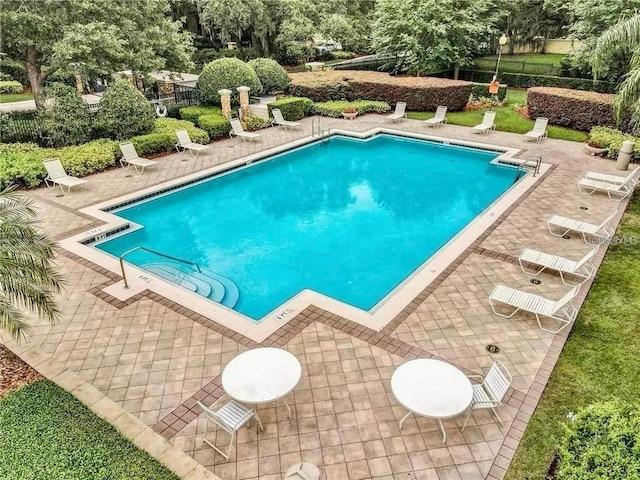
154 357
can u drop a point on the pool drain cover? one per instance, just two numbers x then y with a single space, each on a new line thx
59 196
128 176
491 348
535 281
584 208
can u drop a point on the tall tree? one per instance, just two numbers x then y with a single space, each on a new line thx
81 36
529 21
27 277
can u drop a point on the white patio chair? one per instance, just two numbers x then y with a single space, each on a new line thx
539 130
439 118
230 417
487 123
615 191
604 231
582 268
490 393
185 143
616 179
561 310
399 113
279 121
130 157
238 131
57 175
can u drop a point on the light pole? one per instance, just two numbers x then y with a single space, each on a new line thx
503 41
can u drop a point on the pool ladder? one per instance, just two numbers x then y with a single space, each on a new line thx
320 129
533 164
176 259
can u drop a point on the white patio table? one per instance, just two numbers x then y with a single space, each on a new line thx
431 388
262 375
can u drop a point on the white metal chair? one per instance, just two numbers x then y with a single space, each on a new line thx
487 123
539 130
399 113
238 131
581 268
57 175
439 118
279 121
617 179
185 143
604 231
615 191
130 157
231 416
561 310
490 393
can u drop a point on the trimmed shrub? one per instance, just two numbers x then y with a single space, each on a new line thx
253 123
612 139
601 443
420 93
124 112
272 76
11 86
481 90
163 138
229 73
19 126
15 71
64 118
571 108
170 125
335 108
192 113
215 125
292 108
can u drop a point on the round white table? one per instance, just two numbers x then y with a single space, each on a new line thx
431 388
261 375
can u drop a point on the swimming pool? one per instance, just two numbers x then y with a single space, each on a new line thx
348 218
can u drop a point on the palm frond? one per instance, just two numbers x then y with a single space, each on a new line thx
13 320
624 37
628 94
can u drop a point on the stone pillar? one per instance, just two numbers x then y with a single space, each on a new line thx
624 155
225 99
79 85
244 103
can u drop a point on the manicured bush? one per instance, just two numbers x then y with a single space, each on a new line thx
601 443
420 93
571 108
15 71
11 86
64 118
170 125
192 113
481 90
292 108
335 108
612 139
124 112
227 73
163 138
47 433
272 76
215 125
253 123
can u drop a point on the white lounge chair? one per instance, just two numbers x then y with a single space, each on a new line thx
539 130
57 175
439 118
617 179
614 191
185 143
490 393
130 157
487 123
230 417
561 310
279 121
604 231
399 113
238 131
582 268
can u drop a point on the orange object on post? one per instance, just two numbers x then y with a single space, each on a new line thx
493 87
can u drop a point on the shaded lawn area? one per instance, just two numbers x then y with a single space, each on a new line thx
601 359
47 434
531 63
507 119
15 97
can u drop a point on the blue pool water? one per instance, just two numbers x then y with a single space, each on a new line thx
350 219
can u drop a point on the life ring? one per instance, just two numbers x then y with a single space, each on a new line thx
161 111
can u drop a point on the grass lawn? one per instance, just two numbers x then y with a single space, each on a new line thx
601 359
534 64
48 434
507 119
15 97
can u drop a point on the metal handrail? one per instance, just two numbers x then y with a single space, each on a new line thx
124 276
317 122
538 162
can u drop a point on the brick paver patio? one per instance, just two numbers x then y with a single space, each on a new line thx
156 358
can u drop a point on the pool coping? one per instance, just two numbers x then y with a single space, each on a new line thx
386 312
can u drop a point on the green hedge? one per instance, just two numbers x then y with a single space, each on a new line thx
226 73
272 76
481 90
21 163
605 137
215 125
170 125
335 109
11 86
292 108
47 433
163 138
522 80
192 113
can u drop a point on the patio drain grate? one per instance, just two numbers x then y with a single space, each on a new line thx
491 348
567 237
128 176
584 208
535 281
